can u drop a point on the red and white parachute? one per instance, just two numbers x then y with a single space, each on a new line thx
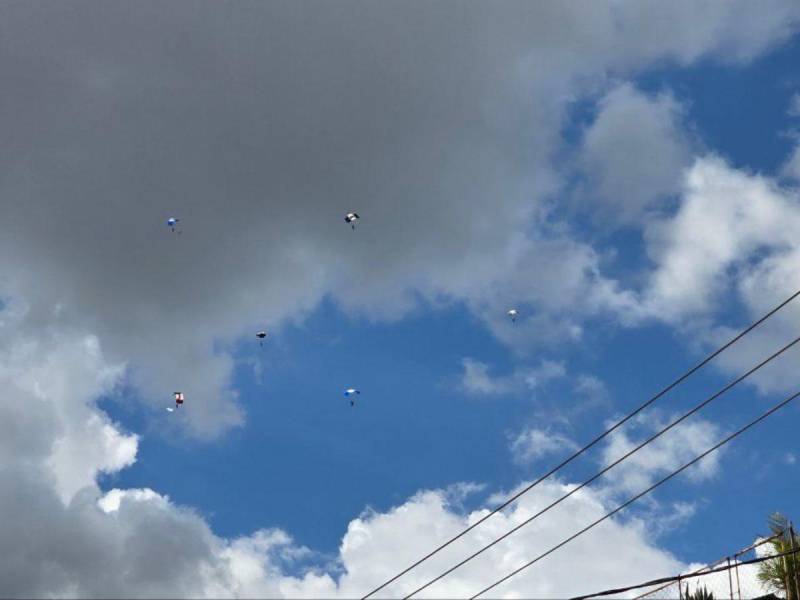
178 400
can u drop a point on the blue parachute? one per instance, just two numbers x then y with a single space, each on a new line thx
352 393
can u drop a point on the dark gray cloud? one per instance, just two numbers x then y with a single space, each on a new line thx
261 124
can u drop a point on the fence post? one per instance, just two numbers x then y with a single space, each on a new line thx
680 589
786 582
794 561
730 578
738 584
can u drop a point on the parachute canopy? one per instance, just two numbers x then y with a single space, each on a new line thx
351 218
178 401
351 393
513 314
261 335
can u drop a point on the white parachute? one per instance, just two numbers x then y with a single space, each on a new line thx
513 312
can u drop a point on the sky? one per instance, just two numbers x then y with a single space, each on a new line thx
625 174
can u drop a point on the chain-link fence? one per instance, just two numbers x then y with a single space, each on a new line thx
734 577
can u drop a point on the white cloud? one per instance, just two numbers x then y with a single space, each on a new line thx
791 168
112 500
68 538
49 381
731 241
794 105
96 446
476 378
668 518
547 371
531 444
667 453
633 154
591 389
371 550
726 217
103 143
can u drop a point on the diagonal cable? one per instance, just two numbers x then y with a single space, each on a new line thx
600 473
624 505
577 453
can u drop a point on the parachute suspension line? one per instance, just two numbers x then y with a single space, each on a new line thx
603 471
597 439
627 503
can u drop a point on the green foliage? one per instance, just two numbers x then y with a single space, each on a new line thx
698 594
782 573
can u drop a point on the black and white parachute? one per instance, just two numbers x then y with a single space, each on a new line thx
351 218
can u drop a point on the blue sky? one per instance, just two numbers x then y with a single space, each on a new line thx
634 194
318 463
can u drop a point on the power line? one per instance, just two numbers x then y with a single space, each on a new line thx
607 468
680 578
576 454
639 495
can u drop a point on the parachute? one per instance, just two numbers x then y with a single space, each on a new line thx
513 314
178 401
351 218
352 393
172 223
261 335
